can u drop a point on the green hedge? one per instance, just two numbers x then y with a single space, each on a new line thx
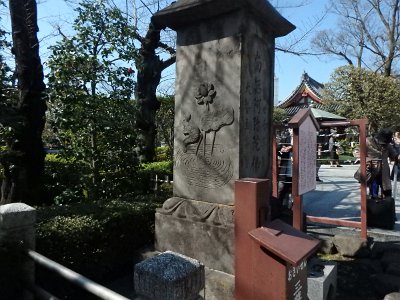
63 180
163 153
146 175
158 167
67 181
94 239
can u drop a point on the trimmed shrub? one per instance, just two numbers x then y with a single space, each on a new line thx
62 180
158 167
163 153
94 239
146 176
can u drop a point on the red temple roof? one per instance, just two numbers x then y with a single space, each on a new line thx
308 92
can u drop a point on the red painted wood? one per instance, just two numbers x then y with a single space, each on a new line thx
251 197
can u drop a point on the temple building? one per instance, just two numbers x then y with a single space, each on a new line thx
307 94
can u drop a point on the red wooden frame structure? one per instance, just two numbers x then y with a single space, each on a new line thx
297 199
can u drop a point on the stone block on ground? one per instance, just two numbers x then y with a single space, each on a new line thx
169 276
321 279
351 246
392 296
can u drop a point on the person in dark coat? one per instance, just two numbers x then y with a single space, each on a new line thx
334 157
396 146
284 150
379 150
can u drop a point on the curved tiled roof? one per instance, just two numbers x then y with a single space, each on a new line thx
332 108
312 88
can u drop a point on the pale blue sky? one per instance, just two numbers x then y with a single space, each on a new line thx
288 67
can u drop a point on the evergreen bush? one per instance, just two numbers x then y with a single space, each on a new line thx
97 240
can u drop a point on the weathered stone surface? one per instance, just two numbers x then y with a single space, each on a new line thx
211 244
350 245
327 246
198 211
217 120
224 95
16 215
183 12
17 222
321 280
219 285
392 296
169 276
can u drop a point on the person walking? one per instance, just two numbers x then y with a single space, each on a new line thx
333 147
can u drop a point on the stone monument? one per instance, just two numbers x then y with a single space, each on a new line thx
223 119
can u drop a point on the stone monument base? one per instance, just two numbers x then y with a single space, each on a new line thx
200 230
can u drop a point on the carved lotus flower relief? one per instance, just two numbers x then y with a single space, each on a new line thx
205 94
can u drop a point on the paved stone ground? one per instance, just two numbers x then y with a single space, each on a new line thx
338 196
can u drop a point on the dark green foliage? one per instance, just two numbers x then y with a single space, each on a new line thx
63 181
163 153
365 94
147 175
91 109
65 184
66 180
279 115
158 167
165 126
95 239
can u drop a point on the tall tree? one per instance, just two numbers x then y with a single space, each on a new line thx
165 123
150 64
367 34
91 84
364 94
149 67
24 161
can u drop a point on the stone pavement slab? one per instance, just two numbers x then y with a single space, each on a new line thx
338 196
